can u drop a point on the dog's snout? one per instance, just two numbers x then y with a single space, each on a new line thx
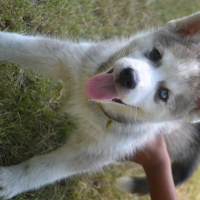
127 78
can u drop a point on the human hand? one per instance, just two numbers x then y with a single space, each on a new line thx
155 153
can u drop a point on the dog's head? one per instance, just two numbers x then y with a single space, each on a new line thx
155 77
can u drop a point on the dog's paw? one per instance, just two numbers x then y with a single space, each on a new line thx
133 185
8 188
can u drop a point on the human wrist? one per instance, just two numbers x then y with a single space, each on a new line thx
163 163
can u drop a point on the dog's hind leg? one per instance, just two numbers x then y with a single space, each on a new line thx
181 172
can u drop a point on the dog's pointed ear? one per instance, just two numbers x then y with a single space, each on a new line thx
185 26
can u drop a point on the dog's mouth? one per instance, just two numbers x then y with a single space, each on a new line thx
119 101
102 88
116 100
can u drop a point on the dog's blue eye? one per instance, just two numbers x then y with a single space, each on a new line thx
163 94
155 55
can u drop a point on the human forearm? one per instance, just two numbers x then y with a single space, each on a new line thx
157 166
161 184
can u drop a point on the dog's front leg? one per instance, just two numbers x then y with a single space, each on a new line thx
45 169
54 58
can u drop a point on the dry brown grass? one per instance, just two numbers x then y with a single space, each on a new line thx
29 121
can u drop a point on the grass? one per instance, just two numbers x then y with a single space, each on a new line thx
30 121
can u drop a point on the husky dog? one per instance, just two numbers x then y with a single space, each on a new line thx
122 93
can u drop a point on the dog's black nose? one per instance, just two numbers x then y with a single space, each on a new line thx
127 78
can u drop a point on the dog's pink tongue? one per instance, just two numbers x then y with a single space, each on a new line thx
101 87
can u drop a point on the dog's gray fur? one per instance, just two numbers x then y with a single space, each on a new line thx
141 117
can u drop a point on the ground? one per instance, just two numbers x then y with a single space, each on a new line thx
30 120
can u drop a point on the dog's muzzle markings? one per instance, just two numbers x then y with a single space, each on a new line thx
99 86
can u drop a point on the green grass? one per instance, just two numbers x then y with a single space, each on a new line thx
30 121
